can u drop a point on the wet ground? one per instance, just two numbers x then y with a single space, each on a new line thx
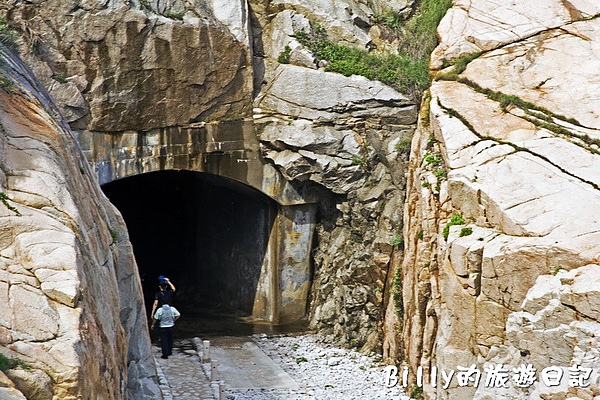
210 324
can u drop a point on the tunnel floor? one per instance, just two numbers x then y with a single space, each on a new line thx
208 234
208 323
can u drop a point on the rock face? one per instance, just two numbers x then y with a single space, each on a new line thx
117 66
344 140
502 191
113 67
73 306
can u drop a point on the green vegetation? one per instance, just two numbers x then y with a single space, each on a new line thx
114 234
301 360
144 4
359 161
174 15
407 71
556 270
507 100
8 36
391 19
284 57
439 173
430 142
397 240
420 234
4 199
456 219
460 64
466 231
7 363
432 159
60 78
397 293
425 184
403 145
416 393
6 84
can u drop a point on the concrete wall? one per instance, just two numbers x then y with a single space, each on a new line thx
271 284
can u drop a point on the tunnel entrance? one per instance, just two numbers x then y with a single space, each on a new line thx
207 233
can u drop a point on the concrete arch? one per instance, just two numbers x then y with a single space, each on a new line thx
229 150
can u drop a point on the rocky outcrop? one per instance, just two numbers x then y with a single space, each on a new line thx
501 195
73 305
135 67
113 66
344 140
132 68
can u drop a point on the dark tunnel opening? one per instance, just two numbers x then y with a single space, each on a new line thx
208 234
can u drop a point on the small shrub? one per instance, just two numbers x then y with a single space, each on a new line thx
557 269
114 234
284 57
8 36
403 145
432 159
173 15
430 142
7 85
396 240
461 64
301 360
359 161
465 231
425 184
420 235
295 346
7 363
439 173
391 19
397 293
60 78
416 393
456 219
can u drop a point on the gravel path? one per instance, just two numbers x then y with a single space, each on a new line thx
322 371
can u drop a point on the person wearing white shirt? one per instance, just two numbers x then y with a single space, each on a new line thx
166 315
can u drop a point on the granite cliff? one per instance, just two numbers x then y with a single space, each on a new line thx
501 227
487 234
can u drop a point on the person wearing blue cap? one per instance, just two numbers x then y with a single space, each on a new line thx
165 294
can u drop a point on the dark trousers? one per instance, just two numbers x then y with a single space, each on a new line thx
166 341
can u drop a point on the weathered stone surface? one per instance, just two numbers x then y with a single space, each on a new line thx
113 67
298 92
344 140
35 384
10 393
553 330
522 172
475 27
72 292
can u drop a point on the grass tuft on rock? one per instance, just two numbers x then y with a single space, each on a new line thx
406 71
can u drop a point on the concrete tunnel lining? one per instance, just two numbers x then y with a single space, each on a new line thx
228 247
